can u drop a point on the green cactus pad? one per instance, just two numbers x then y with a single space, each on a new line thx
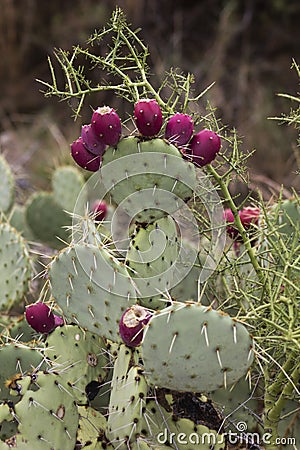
16 360
92 288
15 266
126 419
47 220
17 220
92 425
15 327
287 215
48 415
136 173
186 413
151 256
200 350
67 186
240 403
7 190
78 355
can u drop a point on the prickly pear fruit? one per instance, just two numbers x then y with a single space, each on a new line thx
249 216
40 317
229 218
203 147
148 117
91 141
132 324
99 210
107 125
83 157
179 129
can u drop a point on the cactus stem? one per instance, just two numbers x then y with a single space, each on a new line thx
173 341
204 331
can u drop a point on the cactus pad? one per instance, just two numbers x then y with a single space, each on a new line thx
48 415
15 265
79 355
200 350
92 288
7 191
67 184
148 179
47 220
151 256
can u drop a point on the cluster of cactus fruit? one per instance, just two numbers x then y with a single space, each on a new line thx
124 346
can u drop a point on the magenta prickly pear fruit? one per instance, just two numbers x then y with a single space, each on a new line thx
99 210
203 147
229 218
40 317
83 157
107 125
132 324
249 216
148 117
58 321
91 141
179 129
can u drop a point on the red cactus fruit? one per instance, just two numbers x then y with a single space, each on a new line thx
179 129
148 117
203 147
91 141
83 157
99 209
40 317
58 321
107 125
229 218
132 323
249 216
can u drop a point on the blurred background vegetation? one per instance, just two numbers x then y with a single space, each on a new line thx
245 47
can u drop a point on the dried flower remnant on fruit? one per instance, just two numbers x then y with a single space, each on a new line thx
106 125
132 323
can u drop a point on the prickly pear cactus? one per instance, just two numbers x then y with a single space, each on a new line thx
17 219
7 191
78 355
200 350
148 179
47 220
126 419
68 187
92 288
91 429
16 266
17 360
151 257
47 414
